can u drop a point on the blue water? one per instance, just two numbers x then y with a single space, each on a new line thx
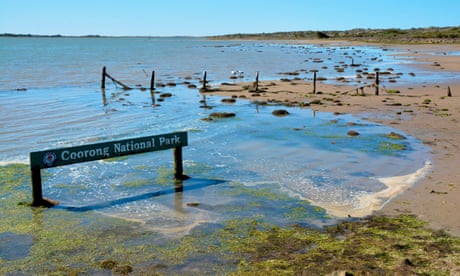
63 62
305 155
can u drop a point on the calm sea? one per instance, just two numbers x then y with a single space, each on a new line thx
50 97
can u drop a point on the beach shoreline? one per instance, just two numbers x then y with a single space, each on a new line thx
425 111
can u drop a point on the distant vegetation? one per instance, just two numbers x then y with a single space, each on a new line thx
432 35
34 35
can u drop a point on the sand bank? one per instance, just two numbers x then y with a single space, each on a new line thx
422 110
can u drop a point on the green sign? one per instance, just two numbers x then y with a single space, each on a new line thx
78 154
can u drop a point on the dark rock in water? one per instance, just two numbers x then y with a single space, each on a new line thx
260 102
231 100
352 133
222 114
396 136
317 101
280 112
165 95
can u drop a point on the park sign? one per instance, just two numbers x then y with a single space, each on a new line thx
85 153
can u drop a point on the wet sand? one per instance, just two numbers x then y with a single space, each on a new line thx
422 110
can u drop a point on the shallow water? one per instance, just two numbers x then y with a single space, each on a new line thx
62 62
305 155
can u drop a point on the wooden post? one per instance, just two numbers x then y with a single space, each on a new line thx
152 95
103 78
203 101
178 168
314 81
105 74
449 93
204 81
178 187
377 83
37 194
152 88
256 86
152 81
104 98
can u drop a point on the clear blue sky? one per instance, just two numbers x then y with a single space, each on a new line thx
210 17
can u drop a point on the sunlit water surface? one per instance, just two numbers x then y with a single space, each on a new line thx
305 155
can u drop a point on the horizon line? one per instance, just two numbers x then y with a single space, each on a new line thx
7 34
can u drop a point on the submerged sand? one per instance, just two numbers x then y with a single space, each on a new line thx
422 110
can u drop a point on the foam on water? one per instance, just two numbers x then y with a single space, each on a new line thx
365 203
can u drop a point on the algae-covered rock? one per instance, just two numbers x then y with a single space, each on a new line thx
280 112
222 114
352 133
396 136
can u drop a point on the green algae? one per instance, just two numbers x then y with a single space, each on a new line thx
70 243
387 147
137 183
376 245
268 197
165 174
239 189
394 136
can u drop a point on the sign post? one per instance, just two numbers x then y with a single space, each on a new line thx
71 155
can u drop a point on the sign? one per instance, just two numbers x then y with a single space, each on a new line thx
65 156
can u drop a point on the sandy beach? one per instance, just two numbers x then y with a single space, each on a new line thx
422 110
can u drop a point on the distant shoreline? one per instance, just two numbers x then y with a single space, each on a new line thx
428 35
36 35
84 36
87 36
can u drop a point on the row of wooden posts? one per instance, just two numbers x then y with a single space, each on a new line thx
152 80
204 87
126 87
